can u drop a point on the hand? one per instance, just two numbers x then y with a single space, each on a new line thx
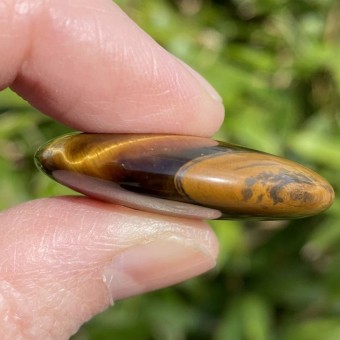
65 259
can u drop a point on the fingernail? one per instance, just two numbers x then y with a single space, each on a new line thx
149 266
203 82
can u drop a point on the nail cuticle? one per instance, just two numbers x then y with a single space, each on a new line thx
156 264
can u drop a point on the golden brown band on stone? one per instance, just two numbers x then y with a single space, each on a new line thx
185 173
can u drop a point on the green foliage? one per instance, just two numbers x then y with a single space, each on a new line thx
275 63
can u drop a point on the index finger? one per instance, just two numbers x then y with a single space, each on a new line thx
86 64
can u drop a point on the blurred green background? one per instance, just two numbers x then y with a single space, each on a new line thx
276 65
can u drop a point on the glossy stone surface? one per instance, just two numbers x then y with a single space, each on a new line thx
184 175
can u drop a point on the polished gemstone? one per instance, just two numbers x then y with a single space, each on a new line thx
185 175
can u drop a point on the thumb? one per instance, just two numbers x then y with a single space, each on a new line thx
63 260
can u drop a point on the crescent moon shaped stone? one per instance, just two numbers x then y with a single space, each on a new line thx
184 175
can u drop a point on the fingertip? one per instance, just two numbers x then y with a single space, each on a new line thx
80 69
79 255
157 264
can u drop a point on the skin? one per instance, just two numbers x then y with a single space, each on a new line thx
65 259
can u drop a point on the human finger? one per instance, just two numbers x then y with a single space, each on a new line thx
64 260
86 64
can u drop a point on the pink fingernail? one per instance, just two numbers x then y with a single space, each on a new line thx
203 82
149 266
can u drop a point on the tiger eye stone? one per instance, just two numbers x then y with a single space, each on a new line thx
185 175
